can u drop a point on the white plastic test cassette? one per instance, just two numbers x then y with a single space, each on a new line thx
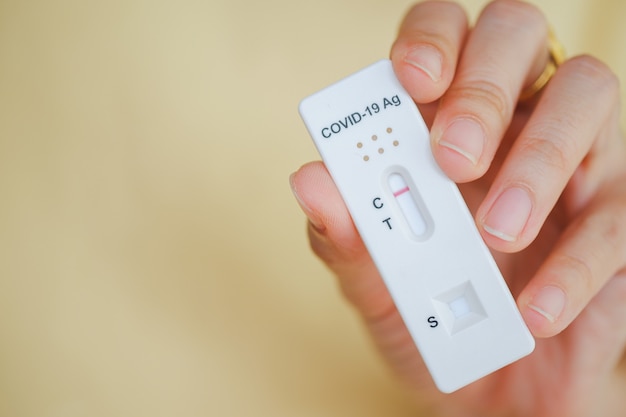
417 228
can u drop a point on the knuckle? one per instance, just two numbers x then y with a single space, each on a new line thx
604 255
613 229
337 247
602 79
579 271
549 147
484 96
319 246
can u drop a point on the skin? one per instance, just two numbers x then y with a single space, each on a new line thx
546 182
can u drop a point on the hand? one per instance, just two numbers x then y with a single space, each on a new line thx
546 181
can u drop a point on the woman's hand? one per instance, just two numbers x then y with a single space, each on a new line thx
546 180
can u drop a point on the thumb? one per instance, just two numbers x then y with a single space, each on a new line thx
335 240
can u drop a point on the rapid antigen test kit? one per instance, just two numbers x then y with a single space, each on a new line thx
417 227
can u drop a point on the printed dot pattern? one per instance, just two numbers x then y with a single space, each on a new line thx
381 141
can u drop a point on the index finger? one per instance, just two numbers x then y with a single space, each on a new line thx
426 51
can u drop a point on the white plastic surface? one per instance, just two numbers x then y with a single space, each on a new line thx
442 277
408 205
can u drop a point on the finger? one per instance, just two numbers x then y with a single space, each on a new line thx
605 320
591 251
335 240
507 46
425 53
605 159
572 112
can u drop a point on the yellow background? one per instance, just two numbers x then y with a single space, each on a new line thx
152 259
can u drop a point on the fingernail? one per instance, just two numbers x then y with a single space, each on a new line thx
509 214
311 216
466 137
427 59
549 302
